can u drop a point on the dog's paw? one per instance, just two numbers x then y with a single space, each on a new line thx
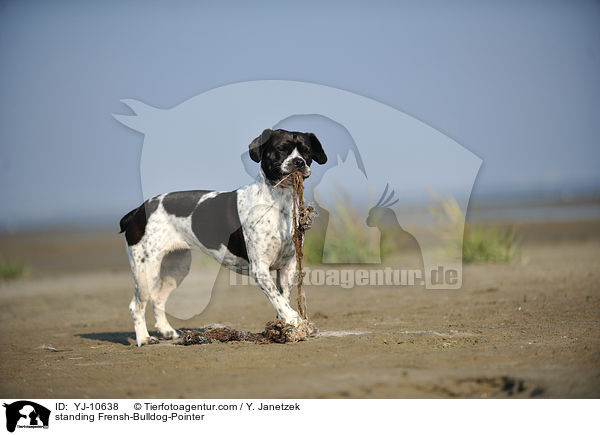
301 331
294 321
147 340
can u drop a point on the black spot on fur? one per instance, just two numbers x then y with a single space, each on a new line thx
133 224
181 204
216 222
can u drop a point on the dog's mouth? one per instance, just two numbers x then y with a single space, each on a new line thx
304 171
305 174
286 178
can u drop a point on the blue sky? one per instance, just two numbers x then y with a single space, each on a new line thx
514 82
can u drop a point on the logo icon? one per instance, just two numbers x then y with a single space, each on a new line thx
26 414
425 176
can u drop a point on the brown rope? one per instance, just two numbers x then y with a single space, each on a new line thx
302 220
275 332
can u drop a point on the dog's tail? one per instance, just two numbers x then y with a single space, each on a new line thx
124 222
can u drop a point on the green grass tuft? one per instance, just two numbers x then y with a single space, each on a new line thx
348 242
489 244
313 246
479 243
11 269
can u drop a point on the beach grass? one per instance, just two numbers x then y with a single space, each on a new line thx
10 269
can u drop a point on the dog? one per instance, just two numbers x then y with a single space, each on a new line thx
248 230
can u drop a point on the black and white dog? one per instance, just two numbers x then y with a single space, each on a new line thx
248 230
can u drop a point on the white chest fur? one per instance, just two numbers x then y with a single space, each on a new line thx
266 217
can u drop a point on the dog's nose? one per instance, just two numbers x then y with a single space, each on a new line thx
298 162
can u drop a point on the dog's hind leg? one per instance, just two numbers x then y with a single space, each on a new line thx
137 308
144 280
174 267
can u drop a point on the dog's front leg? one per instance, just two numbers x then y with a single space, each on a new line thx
262 276
286 278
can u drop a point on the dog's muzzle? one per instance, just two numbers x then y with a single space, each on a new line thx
297 164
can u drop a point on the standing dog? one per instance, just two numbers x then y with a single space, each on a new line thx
248 230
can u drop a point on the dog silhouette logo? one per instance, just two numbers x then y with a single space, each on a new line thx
201 142
26 414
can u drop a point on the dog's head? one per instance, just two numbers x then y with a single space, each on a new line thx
282 152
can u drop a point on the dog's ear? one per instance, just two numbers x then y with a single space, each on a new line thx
256 147
317 152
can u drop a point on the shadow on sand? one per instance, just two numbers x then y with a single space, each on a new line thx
125 338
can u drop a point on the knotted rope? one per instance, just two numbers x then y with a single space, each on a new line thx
302 219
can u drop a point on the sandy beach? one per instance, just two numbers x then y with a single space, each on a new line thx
528 328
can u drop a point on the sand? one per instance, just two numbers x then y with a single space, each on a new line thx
528 328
